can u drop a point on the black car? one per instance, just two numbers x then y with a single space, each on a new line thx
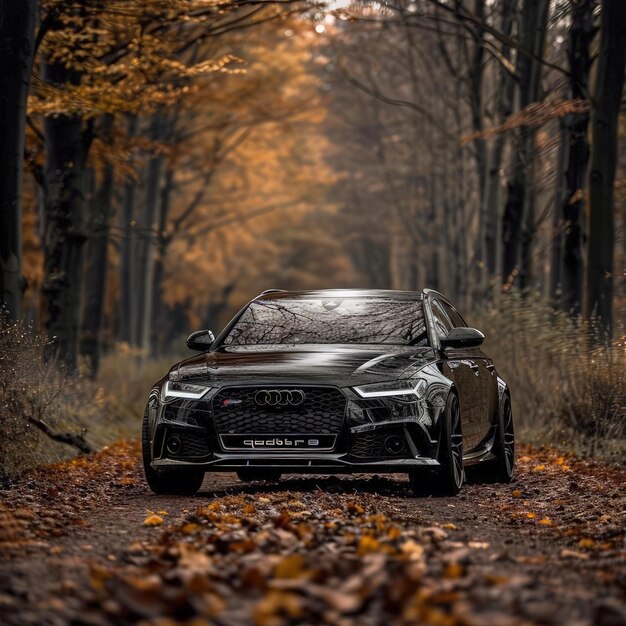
330 382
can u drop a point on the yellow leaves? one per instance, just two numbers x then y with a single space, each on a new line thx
98 576
292 566
586 543
368 545
394 533
355 509
153 520
190 528
283 520
449 526
531 515
453 571
276 606
516 493
546 521
539 468
414 551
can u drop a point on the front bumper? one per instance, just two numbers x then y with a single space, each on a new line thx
360 445
320 464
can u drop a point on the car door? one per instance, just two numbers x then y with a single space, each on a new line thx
459 365
486 374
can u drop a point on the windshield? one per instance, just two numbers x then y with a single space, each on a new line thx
338 321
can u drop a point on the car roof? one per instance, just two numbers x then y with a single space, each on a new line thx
389 294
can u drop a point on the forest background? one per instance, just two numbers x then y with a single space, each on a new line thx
164 161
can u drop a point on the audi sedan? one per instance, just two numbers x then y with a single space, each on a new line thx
328 382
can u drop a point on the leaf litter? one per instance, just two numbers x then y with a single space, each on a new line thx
547 549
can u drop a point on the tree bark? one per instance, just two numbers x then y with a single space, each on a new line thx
577 147
96 261
163 242
149 223
518 219
607 96
66 146
128 287
492 198
17 31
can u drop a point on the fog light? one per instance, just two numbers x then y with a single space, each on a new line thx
174 445
394 444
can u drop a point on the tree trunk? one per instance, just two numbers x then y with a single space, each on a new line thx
577 145
556 242
607 96
96 261
518 219
17 29
163 241
492 191
149 223
128 287
66 146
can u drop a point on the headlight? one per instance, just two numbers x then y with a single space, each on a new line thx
174 389
415 388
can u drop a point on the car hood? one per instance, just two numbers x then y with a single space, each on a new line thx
329 364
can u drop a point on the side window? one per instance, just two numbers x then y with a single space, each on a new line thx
443 325
453 315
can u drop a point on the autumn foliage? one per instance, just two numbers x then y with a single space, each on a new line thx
317 550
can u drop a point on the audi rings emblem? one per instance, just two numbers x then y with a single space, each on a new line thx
279 397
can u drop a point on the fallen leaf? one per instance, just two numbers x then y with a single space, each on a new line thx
572 554
153 520
291 566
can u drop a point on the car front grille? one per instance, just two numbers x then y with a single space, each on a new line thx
235 410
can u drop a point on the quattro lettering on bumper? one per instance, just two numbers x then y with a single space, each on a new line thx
266 443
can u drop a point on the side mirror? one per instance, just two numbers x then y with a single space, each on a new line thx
463 338
200 340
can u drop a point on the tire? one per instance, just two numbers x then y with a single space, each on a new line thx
248 475
449 476
502 467
176 481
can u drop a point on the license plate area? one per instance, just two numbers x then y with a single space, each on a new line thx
278 443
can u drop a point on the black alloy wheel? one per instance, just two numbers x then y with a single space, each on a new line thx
504 443
448 478
175 481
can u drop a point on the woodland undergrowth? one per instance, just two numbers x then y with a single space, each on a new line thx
566 390
47 415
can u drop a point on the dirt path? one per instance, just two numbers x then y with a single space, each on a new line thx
86 543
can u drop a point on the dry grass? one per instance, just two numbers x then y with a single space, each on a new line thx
564 390
35 391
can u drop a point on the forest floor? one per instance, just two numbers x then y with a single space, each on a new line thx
85 542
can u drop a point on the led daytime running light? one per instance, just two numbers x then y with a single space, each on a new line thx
379 390
184 390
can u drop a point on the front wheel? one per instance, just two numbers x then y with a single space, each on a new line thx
175 481
449 476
